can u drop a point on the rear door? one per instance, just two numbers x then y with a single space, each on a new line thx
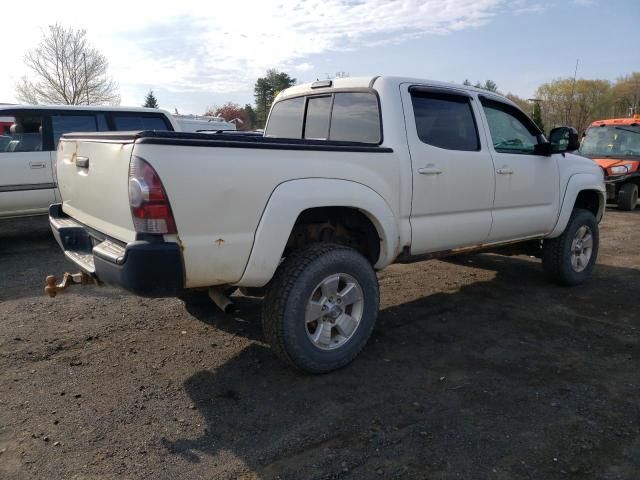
453 176
26 176
527 198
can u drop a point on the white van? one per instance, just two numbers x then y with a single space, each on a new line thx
29 136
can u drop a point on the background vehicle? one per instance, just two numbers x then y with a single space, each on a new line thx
29 139
614 144
195 123
307 213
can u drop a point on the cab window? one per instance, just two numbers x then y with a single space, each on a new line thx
21 133
511 130
286 118
445 120
138 122
355 118
61 124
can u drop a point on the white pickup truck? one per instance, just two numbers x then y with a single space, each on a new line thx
351 175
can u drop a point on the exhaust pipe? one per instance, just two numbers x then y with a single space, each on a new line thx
223 302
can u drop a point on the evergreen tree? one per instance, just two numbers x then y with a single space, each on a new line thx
266 89
150 101
537 115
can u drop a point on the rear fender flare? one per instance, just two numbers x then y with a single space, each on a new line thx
291 198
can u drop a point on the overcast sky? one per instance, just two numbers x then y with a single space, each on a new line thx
194 53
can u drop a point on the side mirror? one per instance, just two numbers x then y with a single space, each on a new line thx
564 139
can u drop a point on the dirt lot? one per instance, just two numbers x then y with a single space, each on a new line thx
477 369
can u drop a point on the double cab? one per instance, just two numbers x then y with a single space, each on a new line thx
350 176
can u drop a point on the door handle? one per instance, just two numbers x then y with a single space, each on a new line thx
37 165
504 171
430 169
82 162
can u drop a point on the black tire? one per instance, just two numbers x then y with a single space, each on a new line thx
628 197
556 252
283 312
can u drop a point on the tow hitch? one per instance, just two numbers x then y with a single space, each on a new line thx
68 279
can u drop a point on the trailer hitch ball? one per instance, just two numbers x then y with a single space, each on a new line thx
68 279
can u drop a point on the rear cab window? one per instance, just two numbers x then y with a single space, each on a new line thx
338 116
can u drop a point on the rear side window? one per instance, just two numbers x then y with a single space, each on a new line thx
62 124
20 133
316 125
445 121
286 118
139 122
355 118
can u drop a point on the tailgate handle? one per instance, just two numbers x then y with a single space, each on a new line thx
82 162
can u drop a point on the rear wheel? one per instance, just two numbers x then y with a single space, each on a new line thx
570 258
321 307
628 196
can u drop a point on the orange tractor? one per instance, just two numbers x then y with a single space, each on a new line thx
614 144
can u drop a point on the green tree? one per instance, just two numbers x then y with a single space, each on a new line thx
150 101
251 117
575 103
265 91
626 95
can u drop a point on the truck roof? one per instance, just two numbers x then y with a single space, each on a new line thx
377 82
635 120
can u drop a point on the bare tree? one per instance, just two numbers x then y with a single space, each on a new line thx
67 70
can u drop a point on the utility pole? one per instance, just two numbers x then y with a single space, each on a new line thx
573 88
86 78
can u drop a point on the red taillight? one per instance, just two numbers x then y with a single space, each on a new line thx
149 203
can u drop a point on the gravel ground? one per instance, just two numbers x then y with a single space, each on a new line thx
477 369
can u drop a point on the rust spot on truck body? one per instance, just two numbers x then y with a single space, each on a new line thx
219 242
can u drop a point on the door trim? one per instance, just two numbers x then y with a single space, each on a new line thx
27 186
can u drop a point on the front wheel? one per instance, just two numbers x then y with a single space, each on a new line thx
570 258
628 196
321 307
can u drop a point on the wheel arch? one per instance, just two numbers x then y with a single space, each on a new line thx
292 201
583 191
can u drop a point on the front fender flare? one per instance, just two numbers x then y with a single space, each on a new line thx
291 198
577 183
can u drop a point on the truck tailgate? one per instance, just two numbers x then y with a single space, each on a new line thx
93 181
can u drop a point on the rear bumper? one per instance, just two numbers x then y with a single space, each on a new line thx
149 268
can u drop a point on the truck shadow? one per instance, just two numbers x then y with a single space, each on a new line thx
454 383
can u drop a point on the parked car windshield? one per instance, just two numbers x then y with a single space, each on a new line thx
611 140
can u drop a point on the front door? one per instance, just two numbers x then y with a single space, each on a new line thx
26 177
453 175
527 185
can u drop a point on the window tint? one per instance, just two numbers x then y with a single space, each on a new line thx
62 124
511 131
445 121
286 118
22 133
139 122
355 118
317 122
